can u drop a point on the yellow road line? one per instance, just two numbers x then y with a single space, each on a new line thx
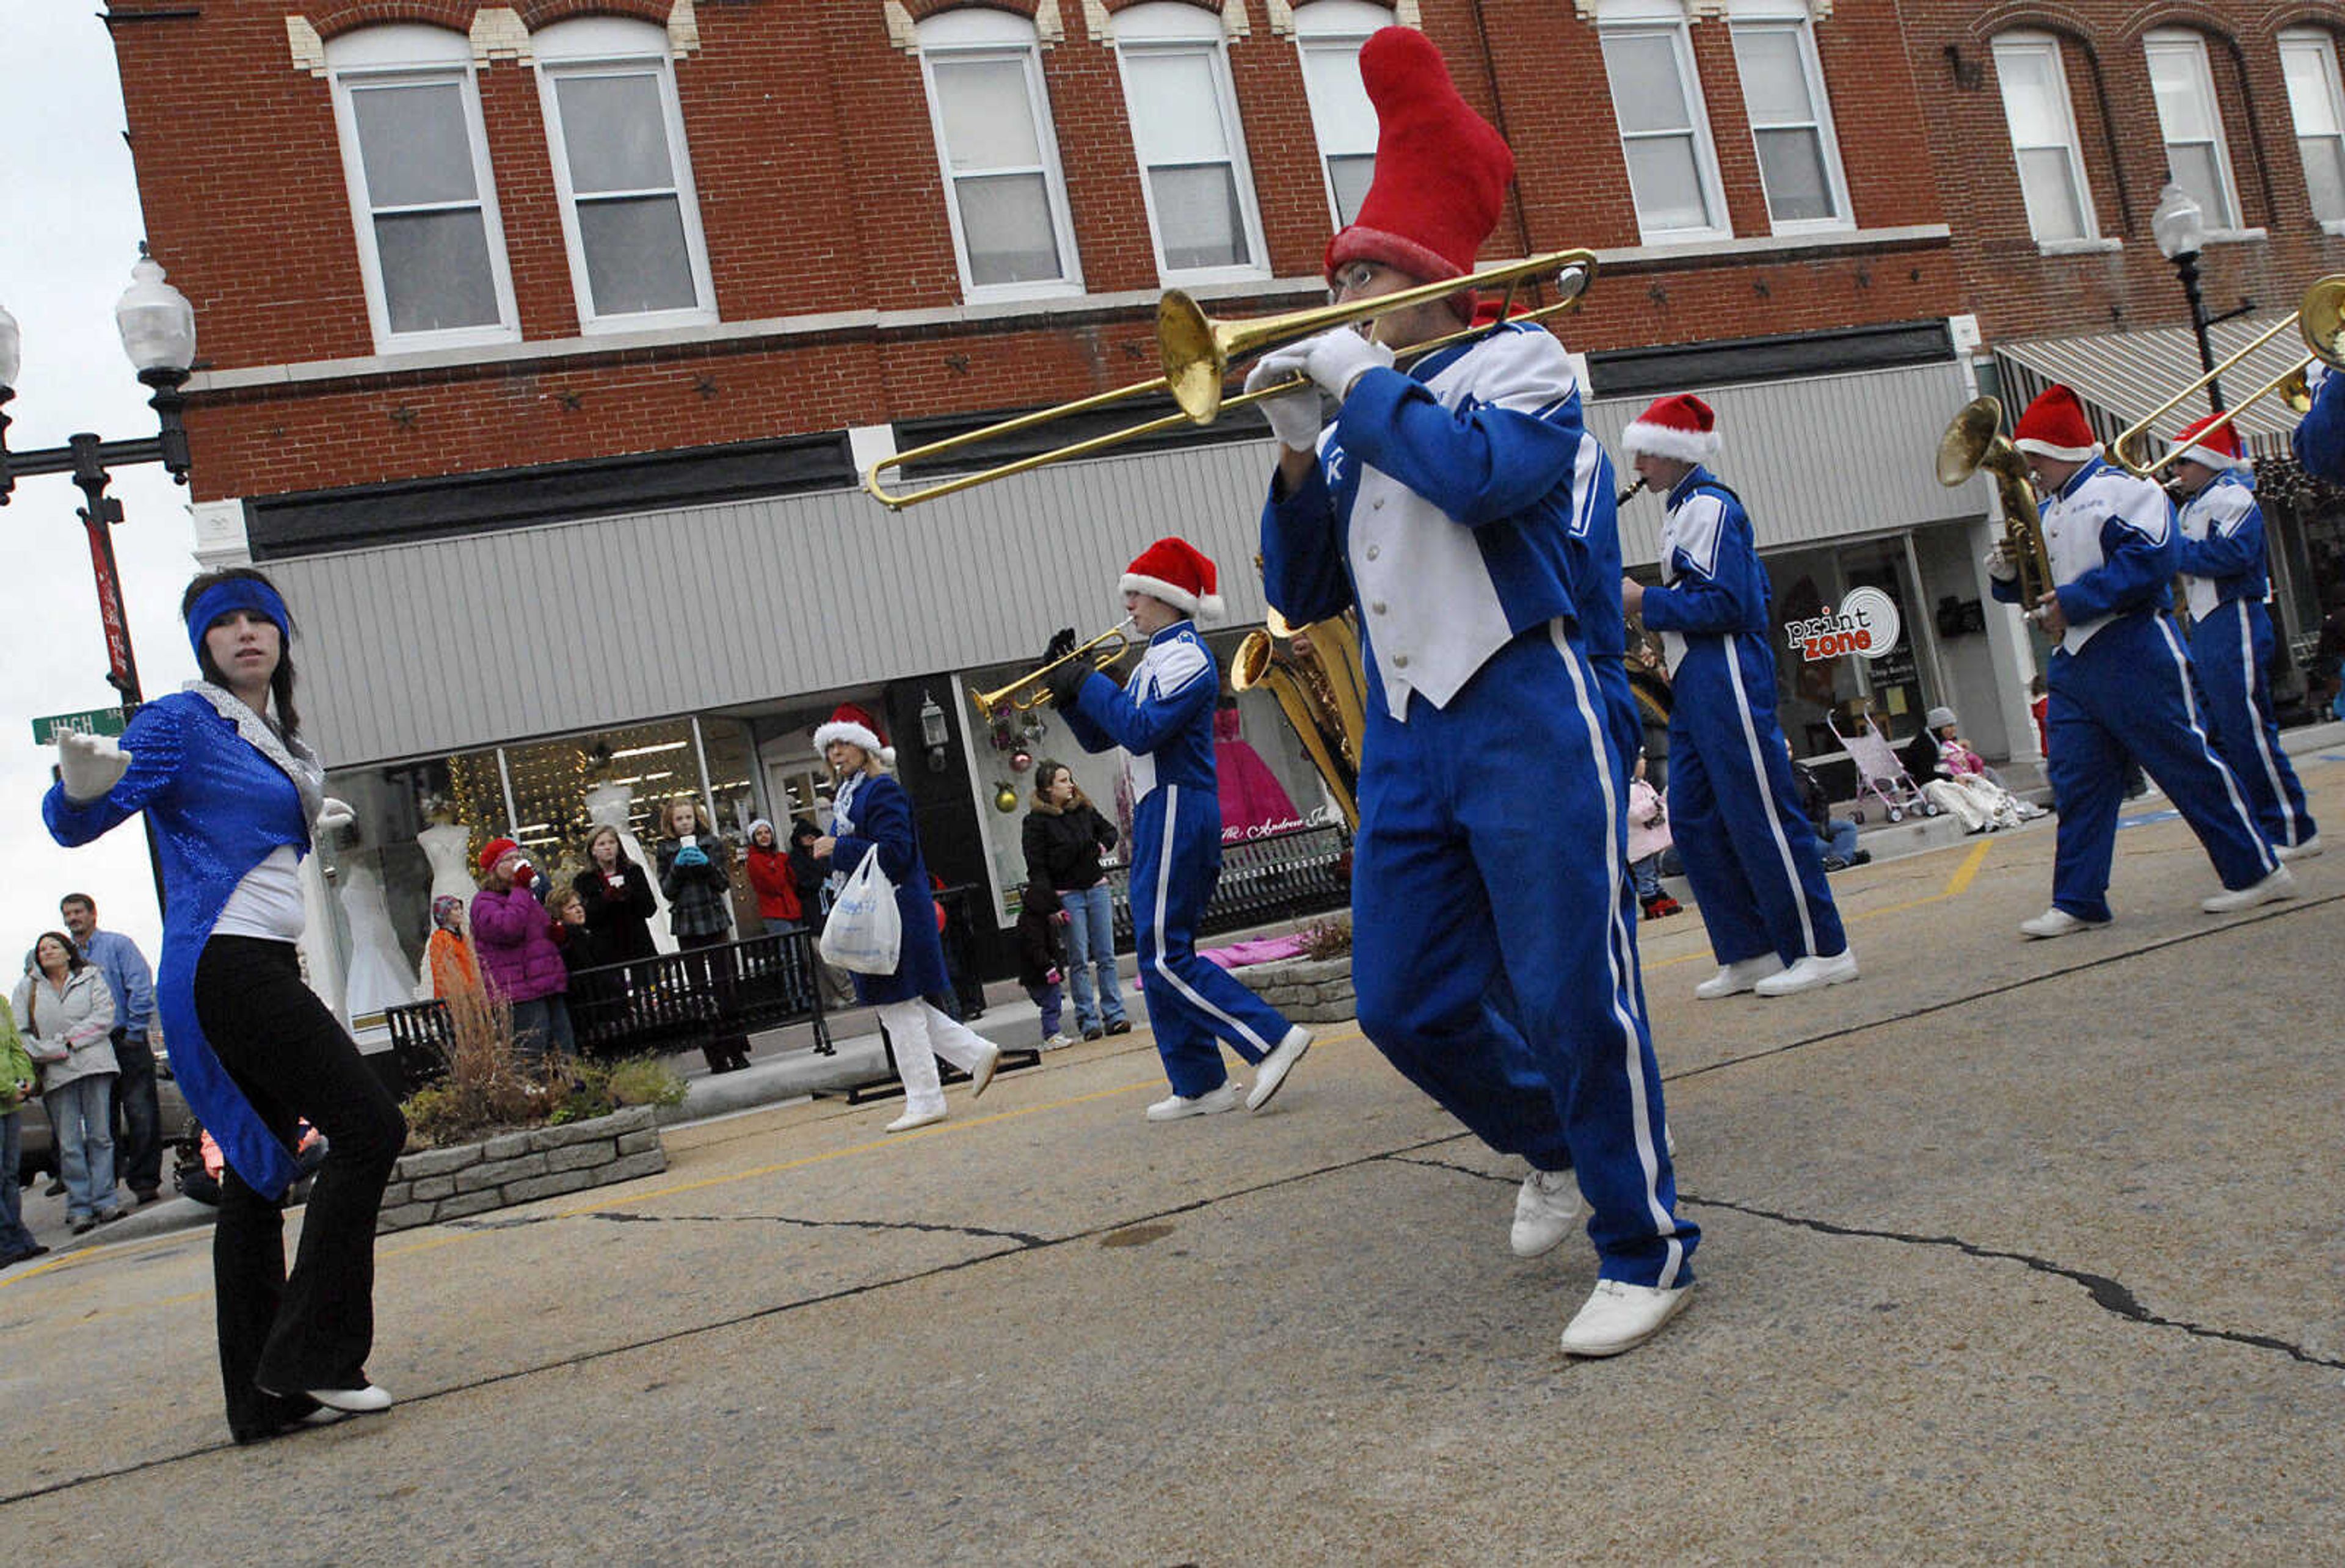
1957 885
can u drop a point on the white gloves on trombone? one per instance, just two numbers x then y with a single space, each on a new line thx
1294 415
1335 358
335 815
89 765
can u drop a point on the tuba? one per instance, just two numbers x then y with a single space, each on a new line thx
1324 694
1976 441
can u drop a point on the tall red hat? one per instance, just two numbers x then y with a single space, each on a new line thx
857 727
1441 170
1178 573
1679 426
2054 427
2216 449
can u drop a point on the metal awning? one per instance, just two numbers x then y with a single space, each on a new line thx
2121 375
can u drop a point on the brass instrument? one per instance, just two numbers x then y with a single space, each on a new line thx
1030 691
2319 319
1976 441
1324 694
1196 352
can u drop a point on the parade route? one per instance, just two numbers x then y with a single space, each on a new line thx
2012 1251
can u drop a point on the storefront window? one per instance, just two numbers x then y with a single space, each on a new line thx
1820 689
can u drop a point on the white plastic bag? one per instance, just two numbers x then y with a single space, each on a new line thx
865 934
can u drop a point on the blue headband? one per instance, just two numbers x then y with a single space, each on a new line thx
226 599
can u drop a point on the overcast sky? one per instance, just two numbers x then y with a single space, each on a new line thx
69 231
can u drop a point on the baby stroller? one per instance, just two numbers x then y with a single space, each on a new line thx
1879 773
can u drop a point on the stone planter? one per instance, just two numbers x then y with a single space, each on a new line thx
521 1168
1307 990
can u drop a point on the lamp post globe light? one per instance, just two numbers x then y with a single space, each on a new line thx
2179 225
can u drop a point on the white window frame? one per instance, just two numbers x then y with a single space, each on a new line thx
2179 43
2323 47
976 33
2044 44
1793 16
1668 17
1333 27
390 55
614 45
1166 28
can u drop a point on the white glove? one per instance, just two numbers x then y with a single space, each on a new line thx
89 765
1336 359
2001 566
1294 415
334 816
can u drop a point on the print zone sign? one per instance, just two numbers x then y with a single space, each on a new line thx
1867 626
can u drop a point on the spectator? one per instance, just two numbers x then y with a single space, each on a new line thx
618 899
769 876
1648 675
694 873
17 1078
520 959
67 1023
1648 834
1958 781
135 1118
592 991
447 955
1042 928
1837 833
1064 836
814 897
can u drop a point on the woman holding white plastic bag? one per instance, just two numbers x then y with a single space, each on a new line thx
871 815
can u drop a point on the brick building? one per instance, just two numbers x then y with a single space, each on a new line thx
541 347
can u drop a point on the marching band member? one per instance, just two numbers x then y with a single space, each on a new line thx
2120 679
1165 717
2222 555
1751 855
1494 956
2319 439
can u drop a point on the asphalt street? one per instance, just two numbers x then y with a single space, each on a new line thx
2012 1251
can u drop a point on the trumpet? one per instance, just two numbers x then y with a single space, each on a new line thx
1032 690
1196 352
2319 319
1974 440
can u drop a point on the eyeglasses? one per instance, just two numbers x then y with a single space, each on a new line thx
1353 277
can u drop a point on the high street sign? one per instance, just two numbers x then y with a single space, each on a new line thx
96 721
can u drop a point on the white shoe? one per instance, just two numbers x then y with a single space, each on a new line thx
1621 1317
2058 921
982 1074
1057 1043
2281 883
364 1399
1810 973
1223 1097
2305 851
1272 1070
912 1118
1739 978
1546 1209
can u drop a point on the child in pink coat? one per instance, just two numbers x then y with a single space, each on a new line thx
1648 834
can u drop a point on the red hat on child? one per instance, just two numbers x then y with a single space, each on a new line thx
1178 573
1679 426
2216 449
2054 427
496 849
857 727
1441 170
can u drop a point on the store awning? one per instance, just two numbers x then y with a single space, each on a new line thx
2122 376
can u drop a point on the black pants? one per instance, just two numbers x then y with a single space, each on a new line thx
137 1119
709 961
293 1062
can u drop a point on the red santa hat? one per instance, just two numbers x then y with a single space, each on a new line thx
1679 426
2054 427
1178 573
1441 170
2218 449
857 727
496 849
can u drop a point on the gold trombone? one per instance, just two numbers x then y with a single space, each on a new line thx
1103 651
1196 352
2319 319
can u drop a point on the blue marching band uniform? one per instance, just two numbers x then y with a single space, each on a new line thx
2319 439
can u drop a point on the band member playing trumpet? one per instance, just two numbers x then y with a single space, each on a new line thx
2120 681
2224 585
1165 717
1451 505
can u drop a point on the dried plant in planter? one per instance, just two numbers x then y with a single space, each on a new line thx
1328 938
487 1086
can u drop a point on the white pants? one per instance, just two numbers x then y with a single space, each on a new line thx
1974 801
920 1035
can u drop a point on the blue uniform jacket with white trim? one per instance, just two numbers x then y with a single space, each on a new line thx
1442 505
2222 546
1163 716
2319 437
2111 540
1713 584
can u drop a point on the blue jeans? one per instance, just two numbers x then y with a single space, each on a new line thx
1842 842
81 1117
1091 939
1047 997
1647 875
542 1027
14 1239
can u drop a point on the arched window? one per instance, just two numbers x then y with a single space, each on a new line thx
432 250
2191 122
1328 34
2043 125
1191 146
1004 191
629 213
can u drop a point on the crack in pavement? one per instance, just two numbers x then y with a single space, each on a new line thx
623 1217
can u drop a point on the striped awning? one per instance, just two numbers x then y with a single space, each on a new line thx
2122 376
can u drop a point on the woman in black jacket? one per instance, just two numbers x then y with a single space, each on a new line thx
618 898
1064 836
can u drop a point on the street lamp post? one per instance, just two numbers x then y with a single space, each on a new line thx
2179 224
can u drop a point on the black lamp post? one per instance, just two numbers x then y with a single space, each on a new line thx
2180 228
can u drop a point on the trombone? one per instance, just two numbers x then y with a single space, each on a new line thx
1196 352
1030 691
2319 319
